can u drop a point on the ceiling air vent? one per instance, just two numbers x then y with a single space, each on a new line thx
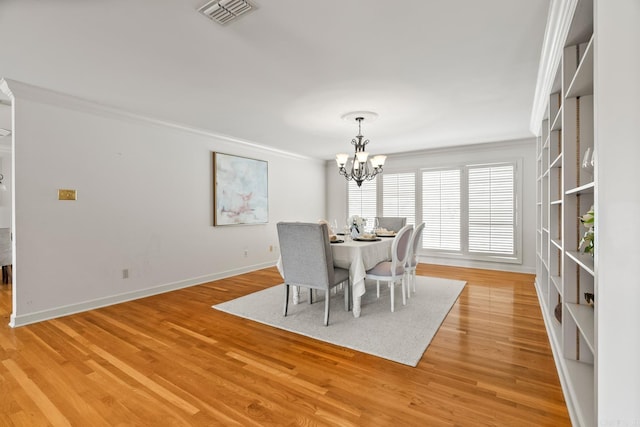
223 11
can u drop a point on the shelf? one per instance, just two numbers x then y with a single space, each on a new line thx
557 282
582 83
583 316
583 189
581 384
557 121
562 193
583 260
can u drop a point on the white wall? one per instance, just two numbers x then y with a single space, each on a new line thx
5 196
481 153
144 204
5 164
617 209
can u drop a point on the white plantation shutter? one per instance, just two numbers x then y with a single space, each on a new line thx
441 209
492 209
471 211
362 200
399 196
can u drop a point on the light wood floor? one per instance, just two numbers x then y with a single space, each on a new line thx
173 360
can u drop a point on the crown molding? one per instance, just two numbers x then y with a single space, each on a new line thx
558 23
4 88
15 89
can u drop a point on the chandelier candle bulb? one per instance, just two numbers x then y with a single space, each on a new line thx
341 159
362 156
378 161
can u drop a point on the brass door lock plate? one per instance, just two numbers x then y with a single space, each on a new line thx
64 194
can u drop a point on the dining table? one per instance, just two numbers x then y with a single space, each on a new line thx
357 256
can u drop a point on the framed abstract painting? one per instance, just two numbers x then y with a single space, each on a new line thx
240 190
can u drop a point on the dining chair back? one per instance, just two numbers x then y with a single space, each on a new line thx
307 261
393 271
391 223
412 258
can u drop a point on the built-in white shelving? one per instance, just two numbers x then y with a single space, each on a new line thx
584 261
583 316
566 190
582 83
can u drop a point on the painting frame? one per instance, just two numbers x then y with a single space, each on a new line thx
240 190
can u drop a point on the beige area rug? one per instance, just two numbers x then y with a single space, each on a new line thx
401 336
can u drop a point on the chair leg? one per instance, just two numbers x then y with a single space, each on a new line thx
326 307
392 284
404 291
408 276
286 299
413 280
378 288
310 295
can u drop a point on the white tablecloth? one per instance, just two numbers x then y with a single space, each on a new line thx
357 257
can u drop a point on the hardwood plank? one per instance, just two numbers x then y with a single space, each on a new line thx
171 359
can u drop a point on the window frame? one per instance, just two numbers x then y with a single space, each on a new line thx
376 201
381 190
463 253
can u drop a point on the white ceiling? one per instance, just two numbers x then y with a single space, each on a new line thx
439 73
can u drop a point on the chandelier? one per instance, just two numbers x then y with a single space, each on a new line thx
360 167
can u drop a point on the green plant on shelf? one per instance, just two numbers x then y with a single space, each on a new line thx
587 241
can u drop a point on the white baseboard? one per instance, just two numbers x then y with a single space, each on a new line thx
28 318
560 361
467 263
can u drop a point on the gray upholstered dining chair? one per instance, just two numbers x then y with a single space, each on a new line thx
391 223
412 258
393 271
307 261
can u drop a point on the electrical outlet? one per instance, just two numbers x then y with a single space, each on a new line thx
125 273
246 253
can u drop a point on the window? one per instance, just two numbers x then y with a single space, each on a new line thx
491 209
362 200
471 210
441 209
399 196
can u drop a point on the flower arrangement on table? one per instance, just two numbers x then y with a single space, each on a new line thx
357 224
588 239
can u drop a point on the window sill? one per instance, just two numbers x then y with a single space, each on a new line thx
473 257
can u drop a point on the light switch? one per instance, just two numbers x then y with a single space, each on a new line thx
64 194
